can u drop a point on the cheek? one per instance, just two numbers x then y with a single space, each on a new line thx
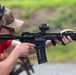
4 32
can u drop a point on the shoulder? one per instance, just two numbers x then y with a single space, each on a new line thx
13 44
6 44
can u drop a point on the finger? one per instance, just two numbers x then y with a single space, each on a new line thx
58 42
32 48
65 30
69 39
25 54
32 45
65 40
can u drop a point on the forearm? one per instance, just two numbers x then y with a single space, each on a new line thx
7 65
48 43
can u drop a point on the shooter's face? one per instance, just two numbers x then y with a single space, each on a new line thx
4 31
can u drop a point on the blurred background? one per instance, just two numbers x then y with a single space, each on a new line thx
58 14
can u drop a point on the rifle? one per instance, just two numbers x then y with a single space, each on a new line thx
39 39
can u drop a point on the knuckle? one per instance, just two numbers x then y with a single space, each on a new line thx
27 47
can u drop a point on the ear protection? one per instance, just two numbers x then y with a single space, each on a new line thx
2 9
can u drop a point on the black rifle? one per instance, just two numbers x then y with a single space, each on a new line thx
39 40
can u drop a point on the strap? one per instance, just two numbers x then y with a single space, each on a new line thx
2 9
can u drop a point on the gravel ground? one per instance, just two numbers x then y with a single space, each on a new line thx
53 69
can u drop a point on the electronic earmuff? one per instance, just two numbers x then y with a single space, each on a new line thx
2 9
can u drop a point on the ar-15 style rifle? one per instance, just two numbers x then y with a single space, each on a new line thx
39 40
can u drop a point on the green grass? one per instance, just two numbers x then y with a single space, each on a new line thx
38 3
62 53
27 5
63 19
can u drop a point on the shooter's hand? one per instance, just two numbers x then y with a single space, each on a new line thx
23 49
66 39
